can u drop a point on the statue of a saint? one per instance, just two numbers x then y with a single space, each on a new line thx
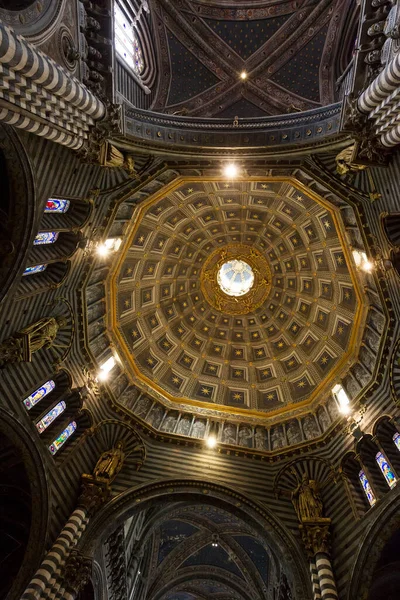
344 162
307 500
110 463
24 343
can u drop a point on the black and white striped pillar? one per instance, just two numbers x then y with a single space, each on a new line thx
386 82
46 582
314 580
37 95
326 579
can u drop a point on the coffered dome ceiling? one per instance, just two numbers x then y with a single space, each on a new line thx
276 349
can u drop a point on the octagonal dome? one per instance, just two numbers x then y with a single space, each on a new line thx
274 353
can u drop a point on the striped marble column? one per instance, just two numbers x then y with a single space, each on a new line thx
314 580
21 56
45 581
387 81
325 577
37 95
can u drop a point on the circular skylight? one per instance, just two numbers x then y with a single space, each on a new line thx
235 278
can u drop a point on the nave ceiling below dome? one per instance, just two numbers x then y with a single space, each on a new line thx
289 51
274 361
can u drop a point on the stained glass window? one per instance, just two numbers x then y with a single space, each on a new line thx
126 43
38 394
396 439
45 237
51 415
57 205
386 469
35 269
62 438
367 488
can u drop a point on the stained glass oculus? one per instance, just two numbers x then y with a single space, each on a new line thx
235 278
56 205
38 394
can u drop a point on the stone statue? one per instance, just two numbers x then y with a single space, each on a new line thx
229 434
307 500
184 425
260 438
110 463
277 440
293 433
24 343
169 423
310 428
198 430
323 419
245 436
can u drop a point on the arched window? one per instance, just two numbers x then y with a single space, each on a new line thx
62 438
40 393
51 416
387 472
57 205
35 269
396 439
45 237
126 42
367 488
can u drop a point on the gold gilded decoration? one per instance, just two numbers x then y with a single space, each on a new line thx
236 305
110 463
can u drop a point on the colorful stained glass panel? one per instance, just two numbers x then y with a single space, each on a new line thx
57 205
35 269
126 43
38 394
45 237
62 438
51 416
387 472
367 488
396 439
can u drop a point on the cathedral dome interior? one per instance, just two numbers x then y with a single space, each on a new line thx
199 293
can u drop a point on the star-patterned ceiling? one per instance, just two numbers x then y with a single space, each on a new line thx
286 352
187 566
288 50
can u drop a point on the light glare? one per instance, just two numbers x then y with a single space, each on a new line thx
243 75
211 441
231 170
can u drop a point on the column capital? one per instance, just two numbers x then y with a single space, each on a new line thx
94 494
315 535
78 570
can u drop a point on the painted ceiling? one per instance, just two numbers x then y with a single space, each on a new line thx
185 565
288 49
264 359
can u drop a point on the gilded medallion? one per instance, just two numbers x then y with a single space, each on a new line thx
236 279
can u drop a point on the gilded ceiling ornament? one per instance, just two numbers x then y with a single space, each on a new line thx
228 264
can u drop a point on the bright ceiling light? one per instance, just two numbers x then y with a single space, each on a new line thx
110 245
211 441
342 399
105 368
362 262
243 75
102 250
231 170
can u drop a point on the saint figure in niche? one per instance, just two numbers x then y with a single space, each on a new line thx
24 343
110 463
307 500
